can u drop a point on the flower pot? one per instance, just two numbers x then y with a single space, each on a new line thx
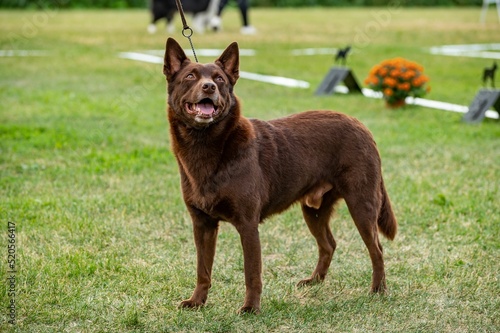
398 78
395 104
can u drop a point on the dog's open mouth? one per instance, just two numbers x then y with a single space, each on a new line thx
205 108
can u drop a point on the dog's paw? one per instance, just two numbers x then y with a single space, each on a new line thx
248 309
380 289
190 304
310 282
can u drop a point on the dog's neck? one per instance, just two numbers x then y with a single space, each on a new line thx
209 145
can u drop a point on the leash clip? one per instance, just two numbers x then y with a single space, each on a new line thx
189 32
186 30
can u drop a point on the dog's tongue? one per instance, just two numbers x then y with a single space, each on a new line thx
206 108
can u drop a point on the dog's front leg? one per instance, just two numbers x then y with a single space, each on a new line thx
250 241
205 237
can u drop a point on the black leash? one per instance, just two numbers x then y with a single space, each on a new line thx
186 30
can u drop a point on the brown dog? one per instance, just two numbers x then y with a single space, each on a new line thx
242 171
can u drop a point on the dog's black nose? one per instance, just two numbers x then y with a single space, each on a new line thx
208 87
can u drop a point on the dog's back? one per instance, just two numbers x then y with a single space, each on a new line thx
339 148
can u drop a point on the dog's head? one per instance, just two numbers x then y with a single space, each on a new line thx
200 94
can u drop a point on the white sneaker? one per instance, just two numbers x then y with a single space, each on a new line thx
215 23
248 30
151 28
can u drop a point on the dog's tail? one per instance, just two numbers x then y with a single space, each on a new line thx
387 223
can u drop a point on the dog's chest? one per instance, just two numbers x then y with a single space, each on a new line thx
210 190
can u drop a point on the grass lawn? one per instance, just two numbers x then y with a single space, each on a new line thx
103 240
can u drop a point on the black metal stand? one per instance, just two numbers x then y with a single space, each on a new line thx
485 98
334 77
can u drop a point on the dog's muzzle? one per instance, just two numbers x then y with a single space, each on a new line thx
204 111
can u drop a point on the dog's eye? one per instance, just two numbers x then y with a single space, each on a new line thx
219 78
190 76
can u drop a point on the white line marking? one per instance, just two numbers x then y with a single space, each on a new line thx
428 103
205 52
468 50
141 57
312 51
278 80
470 47
23 53
447 106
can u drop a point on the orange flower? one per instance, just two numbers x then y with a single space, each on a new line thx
405 86
418 81
371 80
389 81
408 74
395 73
375 69
383 71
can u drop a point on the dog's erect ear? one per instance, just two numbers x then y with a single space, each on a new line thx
174 58
229 61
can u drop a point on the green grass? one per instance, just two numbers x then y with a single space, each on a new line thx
104 243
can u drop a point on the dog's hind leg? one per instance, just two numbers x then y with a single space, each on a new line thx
364 210
317 220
